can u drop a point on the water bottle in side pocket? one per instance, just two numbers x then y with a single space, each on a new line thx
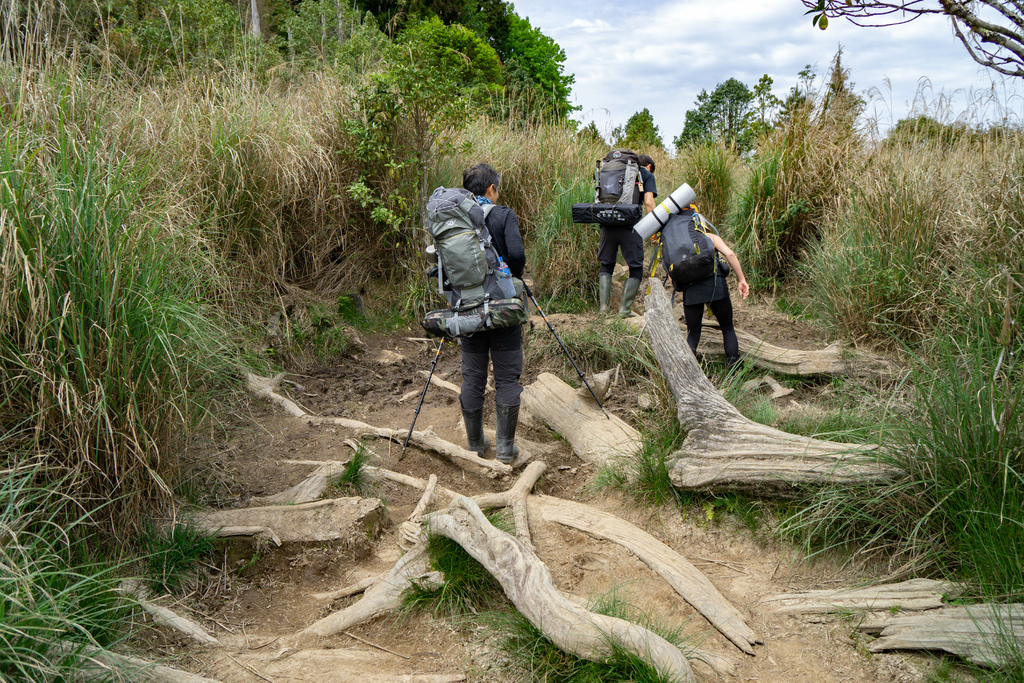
504 275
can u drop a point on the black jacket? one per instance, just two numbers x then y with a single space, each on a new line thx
503 225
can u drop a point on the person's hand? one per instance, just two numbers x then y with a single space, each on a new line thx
744 289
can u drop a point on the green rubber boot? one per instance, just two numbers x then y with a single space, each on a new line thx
508 420
629 291
604 289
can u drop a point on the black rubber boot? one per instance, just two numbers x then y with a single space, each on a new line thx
474 420
604 291
629 291
508 420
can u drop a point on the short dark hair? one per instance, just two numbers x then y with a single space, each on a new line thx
647 161
478 178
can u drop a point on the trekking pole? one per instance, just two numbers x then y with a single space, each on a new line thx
565 350
423 395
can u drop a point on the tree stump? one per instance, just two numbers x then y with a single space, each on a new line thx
724 450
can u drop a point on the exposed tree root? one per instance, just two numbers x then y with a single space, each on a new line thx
907 596
724 450
527 583
687 580
427 439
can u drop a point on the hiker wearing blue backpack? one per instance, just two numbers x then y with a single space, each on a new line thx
502 347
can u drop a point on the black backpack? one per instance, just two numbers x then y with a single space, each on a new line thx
687 250
617 178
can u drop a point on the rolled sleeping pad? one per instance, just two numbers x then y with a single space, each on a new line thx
681 198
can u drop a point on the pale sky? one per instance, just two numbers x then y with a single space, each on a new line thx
660 54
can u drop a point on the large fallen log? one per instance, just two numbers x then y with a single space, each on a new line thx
914 595
986 634
687 580
724 450
834 359
336 519
527 583
594 436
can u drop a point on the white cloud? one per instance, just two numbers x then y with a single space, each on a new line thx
628 56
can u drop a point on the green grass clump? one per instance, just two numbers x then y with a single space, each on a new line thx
354 478
960 509
55 599
563 254
468 587
105 346
171 555
601 345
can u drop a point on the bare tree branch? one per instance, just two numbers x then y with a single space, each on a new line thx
995 41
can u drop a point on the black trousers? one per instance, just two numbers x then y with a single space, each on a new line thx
504 349
631 244
722 309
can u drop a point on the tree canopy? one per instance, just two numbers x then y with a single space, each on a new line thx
724 114
640 133
992 31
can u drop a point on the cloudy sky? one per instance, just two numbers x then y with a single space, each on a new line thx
660 54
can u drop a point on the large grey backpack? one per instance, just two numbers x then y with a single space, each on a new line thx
467 259
616 178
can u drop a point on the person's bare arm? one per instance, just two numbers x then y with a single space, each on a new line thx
649 201
734 262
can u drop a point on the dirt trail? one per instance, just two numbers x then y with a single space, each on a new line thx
269 594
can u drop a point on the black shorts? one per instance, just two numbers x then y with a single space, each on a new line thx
627 239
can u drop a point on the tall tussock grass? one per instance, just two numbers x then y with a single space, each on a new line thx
104 347
916 245
57 603
959 512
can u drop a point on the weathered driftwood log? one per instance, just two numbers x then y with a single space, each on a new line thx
914 595
834 359
164 616
527 583
724 450
594 436
687 580
427 439
337 519
383 596
986 634
248 531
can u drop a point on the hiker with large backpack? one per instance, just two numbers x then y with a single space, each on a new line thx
690 253
503 347
622 177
